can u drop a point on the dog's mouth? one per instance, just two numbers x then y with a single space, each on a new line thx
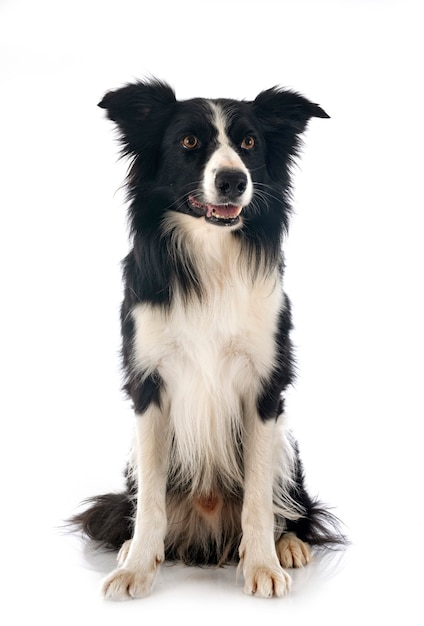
220 214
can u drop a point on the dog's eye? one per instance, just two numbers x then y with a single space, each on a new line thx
248 143
190 142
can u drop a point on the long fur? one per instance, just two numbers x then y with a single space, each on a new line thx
214 474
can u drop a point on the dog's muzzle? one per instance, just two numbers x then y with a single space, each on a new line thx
221 214
230 185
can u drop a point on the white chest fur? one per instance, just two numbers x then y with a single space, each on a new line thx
212 355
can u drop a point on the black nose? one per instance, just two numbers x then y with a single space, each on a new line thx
231 183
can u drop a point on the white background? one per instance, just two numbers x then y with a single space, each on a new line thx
355 266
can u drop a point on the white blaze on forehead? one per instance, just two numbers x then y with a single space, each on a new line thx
220 120
224 157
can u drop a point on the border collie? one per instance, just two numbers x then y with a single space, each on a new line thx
214 475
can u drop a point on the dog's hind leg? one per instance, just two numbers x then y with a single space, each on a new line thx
292 551
123 552
135 577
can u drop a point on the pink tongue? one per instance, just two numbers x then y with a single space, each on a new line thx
223 210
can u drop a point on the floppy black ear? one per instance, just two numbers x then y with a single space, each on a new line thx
134 102
132 106
281 107
283 115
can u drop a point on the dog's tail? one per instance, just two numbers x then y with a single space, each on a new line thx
320 527
310 519
108 520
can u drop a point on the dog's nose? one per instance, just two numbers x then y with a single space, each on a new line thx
231 183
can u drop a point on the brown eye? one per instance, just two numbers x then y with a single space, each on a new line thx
248 143
190 142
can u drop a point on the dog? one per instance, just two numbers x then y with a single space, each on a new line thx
214 475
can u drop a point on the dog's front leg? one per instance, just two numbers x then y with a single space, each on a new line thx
262 572
134 579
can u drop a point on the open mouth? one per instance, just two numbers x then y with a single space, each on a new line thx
220 214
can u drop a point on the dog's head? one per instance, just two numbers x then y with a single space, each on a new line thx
215 160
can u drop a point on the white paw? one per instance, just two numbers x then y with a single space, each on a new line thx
126 584
266 581
292 551
123 552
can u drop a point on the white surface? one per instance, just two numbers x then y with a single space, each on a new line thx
355 265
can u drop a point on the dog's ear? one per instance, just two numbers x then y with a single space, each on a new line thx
138 107
282 107
283 115
135 102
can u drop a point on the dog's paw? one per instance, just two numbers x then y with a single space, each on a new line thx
126 584
265 581
292 551
123 552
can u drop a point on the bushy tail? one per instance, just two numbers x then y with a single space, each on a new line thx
317 525
109 519
321 528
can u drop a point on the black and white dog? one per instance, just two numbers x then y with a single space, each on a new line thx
214 474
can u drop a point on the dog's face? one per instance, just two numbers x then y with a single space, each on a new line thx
210 152
210 159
